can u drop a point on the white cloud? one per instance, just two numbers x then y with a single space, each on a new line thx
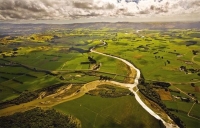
75 9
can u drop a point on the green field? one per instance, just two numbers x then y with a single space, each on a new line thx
94 111
7 94
195 111
190 122
159 57
36 61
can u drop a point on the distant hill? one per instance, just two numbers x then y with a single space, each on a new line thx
142 25
16 29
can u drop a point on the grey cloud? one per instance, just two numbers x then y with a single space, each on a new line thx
128 14
146 11
109 6
12 14
24 9
92 14
195 3
158 9
21 4
152 7
72 9
82 5
6 5
155 9
87 5
121 10
161 10
34 7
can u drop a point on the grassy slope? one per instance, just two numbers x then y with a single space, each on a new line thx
94 111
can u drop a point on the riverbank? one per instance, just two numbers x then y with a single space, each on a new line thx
134 85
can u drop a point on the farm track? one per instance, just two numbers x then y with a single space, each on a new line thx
192 105
184 92
190 111
197 63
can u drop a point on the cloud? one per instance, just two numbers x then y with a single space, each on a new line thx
75 9
82 5
92 6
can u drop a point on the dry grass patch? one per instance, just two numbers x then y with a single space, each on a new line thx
164 95
196 89
138 56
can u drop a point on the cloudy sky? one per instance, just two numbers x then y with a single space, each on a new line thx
69 11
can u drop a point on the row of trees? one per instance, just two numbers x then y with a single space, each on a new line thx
194 52
29 96
92 61
104 78
162 84
186 70
147 91
13 64
107 91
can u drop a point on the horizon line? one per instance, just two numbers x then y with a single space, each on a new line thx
101 22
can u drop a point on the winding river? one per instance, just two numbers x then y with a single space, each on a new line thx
89 86
134 85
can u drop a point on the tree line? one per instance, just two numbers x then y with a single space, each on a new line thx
38 118
148 92
28 96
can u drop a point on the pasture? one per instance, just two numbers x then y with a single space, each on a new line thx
27 63
159 56
94 111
